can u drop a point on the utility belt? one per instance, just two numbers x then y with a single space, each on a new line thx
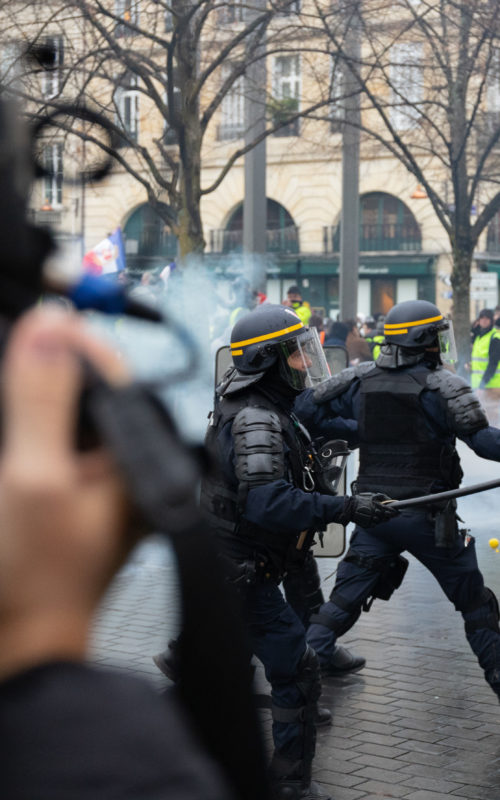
242 574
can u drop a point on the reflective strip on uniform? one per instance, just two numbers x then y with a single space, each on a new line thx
267 336
393 325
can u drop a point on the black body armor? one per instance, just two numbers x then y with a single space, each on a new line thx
398 455
268 445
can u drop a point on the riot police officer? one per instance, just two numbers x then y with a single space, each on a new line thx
410 410
263 507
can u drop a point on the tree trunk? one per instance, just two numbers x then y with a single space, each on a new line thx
460 282
190 231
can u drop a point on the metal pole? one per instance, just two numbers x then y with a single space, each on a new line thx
254 203
428 499
349 224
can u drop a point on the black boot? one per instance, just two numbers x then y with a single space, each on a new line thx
288 781
341 662
168 661
323 717
290 789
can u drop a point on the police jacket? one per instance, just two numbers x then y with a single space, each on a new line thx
261 495
408 421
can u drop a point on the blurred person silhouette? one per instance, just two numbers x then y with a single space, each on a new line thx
372 336
336 334
357 348
70 730
316 321
484 363
244 299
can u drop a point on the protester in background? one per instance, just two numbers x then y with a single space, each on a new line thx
244 299
358 349
294 300
150 288
484 363
69 730
317 322
371 336
336 334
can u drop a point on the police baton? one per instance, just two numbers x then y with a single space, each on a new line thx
429 499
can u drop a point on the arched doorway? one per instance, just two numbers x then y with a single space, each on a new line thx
390 242
148 241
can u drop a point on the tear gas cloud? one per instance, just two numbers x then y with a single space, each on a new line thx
197 302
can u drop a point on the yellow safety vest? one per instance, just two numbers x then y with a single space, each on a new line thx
303 312
479 360
375 343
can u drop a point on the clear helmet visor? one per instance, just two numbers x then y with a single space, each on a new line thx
302 361
447 346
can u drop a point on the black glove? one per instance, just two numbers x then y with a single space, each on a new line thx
366 509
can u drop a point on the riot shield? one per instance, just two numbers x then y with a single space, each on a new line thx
334 537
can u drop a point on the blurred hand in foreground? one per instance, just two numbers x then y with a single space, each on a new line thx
63 513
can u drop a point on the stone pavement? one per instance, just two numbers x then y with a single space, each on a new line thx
419 722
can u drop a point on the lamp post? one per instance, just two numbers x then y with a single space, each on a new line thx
349 222
254 203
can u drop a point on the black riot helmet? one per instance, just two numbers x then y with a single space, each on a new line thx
274 336
416 325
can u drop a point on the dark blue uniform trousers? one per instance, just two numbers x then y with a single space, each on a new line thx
455 569
278 640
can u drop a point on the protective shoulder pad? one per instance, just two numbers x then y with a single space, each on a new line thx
465 411
258 446
340 382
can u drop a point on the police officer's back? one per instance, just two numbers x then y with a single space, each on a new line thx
409 410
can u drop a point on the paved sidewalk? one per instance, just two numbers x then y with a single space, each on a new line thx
419 722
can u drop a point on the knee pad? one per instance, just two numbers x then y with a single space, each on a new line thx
338 626
482 614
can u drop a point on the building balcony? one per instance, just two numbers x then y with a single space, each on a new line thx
278 240
47 218
376 238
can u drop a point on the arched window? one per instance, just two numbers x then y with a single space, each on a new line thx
282 235
148 240
385 223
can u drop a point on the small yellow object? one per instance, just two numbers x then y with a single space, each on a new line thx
493 543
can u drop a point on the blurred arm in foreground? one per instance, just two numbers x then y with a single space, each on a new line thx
68 729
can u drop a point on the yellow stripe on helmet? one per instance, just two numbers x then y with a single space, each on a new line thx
237 353
394 333
412 324
264 337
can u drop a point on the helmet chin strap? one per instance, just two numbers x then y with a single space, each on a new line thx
275 381
393 356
